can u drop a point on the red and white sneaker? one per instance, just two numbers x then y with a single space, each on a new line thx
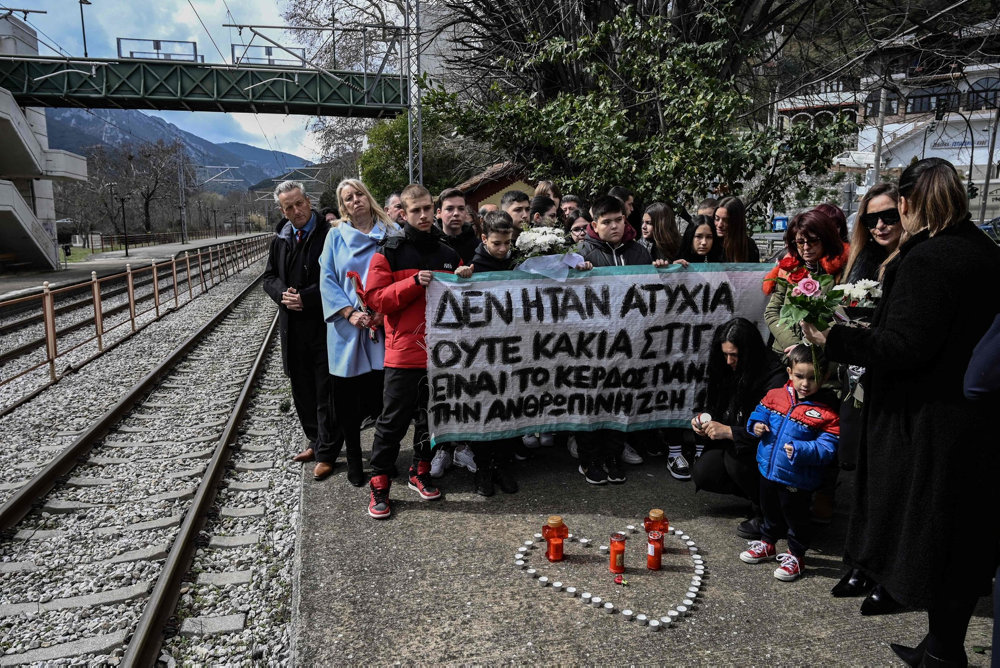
420 482
378 501
790 568
758 551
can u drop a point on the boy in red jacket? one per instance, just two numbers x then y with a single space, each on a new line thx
397 278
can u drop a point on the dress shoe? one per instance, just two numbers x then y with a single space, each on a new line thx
879 602
911 656
306 455
749 529
323 470
355 474
854 583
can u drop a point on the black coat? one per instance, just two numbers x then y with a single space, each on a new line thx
924 517
464 243
601 254
296 264
483 261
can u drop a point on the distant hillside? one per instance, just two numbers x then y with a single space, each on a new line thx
77 129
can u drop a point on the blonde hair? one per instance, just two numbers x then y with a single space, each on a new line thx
378 213
934 195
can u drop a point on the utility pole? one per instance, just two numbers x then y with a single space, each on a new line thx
883 100
181 196
216 219
989 166
123 199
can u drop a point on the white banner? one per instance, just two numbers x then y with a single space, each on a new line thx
511 353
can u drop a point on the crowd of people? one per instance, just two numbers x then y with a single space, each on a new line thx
900 393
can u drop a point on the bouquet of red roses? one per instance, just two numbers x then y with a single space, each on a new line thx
809 297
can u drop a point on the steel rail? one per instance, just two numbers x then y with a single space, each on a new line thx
144 646
28 495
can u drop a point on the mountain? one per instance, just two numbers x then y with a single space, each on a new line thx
77 129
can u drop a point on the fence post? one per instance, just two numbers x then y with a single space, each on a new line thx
187 263
49 314
131 295
95 288
156 289
173 267
211 273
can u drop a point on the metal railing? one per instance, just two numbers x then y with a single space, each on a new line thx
191 273
110 242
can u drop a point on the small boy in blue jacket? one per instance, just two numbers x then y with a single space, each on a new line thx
798 429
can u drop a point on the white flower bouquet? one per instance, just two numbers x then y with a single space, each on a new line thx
864 293
538 241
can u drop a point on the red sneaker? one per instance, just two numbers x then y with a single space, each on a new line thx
790 568
757 552
420 482
378 503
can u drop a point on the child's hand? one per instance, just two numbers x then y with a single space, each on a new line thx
584 266
424 277
759 429
789 450
464 272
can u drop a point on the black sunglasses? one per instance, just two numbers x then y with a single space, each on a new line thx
889 217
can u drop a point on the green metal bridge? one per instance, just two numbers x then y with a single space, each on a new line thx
190 86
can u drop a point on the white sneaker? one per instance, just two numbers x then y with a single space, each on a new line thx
571 446
441 462
678 467
463 457
531 441
547 440
630 456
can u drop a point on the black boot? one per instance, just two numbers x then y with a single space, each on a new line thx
911 656
484 482
931 661
879 602
504 479
854 583
355 469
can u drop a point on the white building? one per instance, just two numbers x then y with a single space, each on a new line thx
27 167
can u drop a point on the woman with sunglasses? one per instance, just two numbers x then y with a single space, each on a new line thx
811 241
877 232
924 517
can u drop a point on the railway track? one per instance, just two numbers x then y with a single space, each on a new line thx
104 533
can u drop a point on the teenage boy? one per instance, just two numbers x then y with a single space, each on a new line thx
610 242
397 278
494 458
460 235
798 430
516 204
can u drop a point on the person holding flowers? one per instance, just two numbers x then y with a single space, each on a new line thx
814 249
923 522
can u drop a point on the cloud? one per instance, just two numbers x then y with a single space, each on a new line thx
108 20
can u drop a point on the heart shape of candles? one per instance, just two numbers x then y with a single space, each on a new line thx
681 548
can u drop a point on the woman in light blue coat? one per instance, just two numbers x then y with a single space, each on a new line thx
355 340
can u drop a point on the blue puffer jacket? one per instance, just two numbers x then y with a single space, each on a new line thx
811 426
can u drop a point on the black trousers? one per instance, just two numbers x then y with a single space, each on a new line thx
312 390
596 447
786 515
721 470
488 453
404 398
355 399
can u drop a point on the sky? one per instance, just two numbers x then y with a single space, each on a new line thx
107 20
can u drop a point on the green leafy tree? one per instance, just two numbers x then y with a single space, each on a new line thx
385 166
651 111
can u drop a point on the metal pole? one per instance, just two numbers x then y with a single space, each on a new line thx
49 313
989 165
83 27
215 217
882 102
124 226
181 197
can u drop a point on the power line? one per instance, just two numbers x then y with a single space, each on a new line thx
212 39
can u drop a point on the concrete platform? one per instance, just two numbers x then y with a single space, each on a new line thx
436 583
13 285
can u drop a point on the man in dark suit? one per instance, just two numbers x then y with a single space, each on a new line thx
291 279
